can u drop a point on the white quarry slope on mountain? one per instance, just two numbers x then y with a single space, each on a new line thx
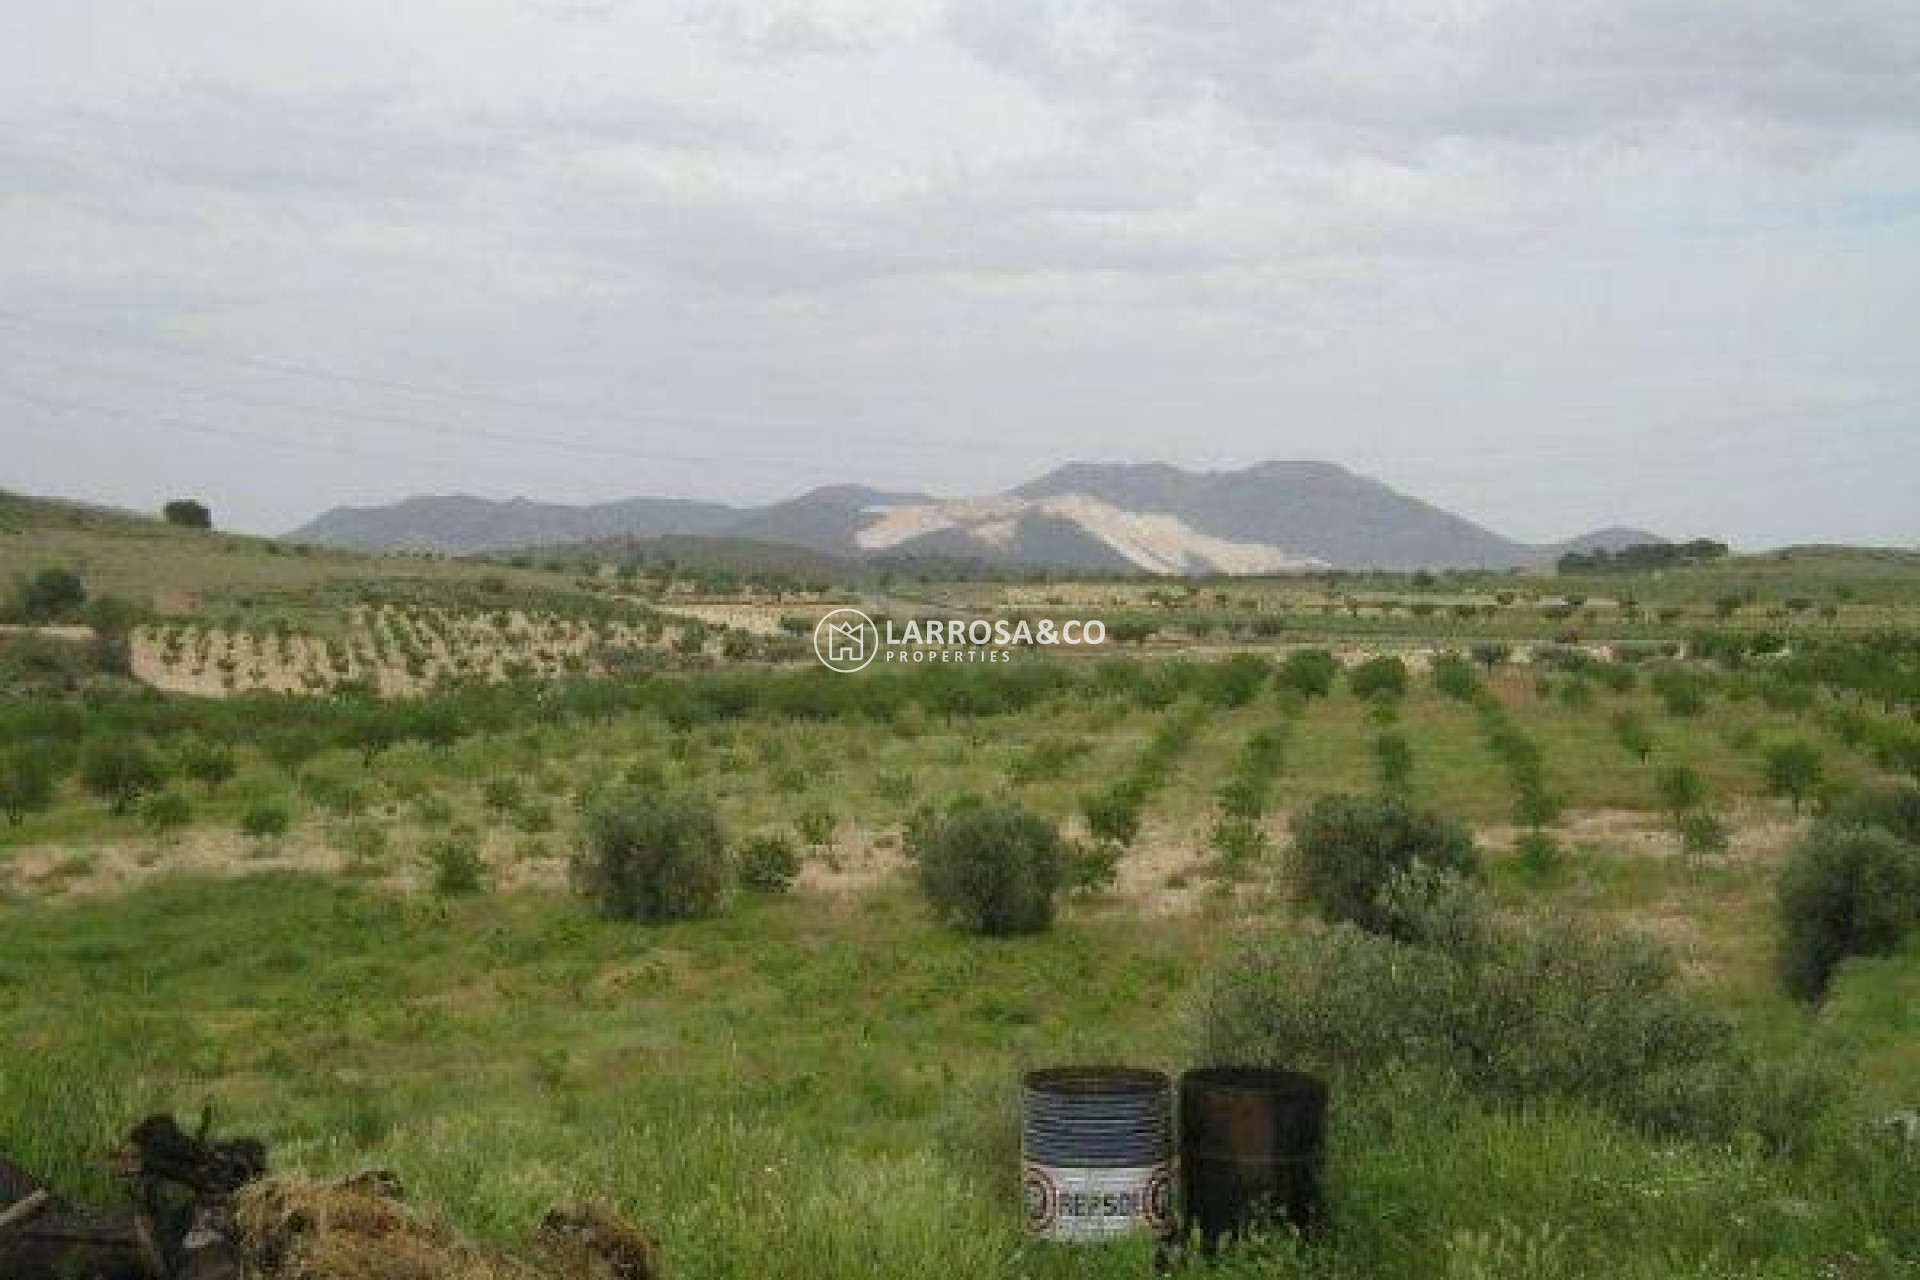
1148 540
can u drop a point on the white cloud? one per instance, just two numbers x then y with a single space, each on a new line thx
1455 243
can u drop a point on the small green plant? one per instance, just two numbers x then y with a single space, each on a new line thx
455 863
1702 834
1393 761
1538 854
166 812
26 784
1681 791
1091 866
265 820
1113 812
208 763
767 863
1378 678
503 795
1795 770
1238 842
817 825
1308 672
1630 731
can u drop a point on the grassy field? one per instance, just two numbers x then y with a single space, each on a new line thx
821 1083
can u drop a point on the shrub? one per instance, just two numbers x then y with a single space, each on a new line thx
26 783
1382 677
1843 891
1308 672
1393 760
165 812
1538 854
767 863
817 825
1679 691
1895 808
265 820
455 862
1113 813
503 795
1235 682
993 869
1631 733
1794 769
651 857
1702 833
1092 866
1550 1009
51 595
1491 655
1681 790
1453 675
1348 848
1238 841
120 771
205 762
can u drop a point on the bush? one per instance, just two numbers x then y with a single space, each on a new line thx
1113 813
767 864
165 812
1092 866
1631 732
653 857
455 862
265 820
1349 848
1393 761
1681 790
26 784
1383 677
1894 808
1550 1009
51 595
1843 891
993 869
1702 833
120 771
205 762
1453 675
817 825
1538 854
1794 770
1239 842
1309 672
1681 692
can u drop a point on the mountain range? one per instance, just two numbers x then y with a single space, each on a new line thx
1148 517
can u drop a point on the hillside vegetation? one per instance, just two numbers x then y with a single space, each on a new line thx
1657 1019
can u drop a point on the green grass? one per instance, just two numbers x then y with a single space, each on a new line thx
817 1092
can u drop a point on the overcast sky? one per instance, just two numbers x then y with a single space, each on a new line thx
1550 264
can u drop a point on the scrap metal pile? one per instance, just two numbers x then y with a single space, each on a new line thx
201 1208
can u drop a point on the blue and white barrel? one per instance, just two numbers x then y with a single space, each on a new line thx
1096 1152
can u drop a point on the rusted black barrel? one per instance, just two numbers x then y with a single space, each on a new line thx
1251 1143
1096 1151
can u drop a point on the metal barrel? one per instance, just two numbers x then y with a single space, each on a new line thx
1096 1152
1251 1144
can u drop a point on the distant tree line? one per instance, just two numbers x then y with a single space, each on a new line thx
1642 556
